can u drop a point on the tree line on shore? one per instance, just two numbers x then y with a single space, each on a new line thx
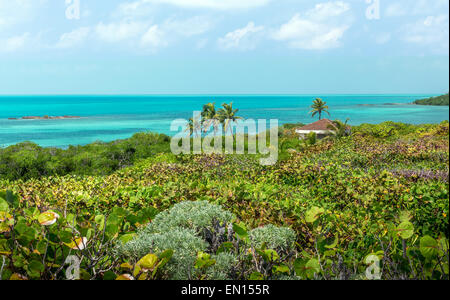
436 101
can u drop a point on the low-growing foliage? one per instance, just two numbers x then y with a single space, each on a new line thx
380 193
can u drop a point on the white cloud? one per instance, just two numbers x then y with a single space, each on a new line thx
116 32
73 38
159 36
396 10
212 4
323 11
402 8
427 7
189 27
133 9
431 32
319 28
15 43
242 39
430 28
154 38
13 12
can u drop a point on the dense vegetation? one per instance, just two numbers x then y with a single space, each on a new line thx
438 101
328 209
29 160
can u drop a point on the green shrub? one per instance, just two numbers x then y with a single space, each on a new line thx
311 138
293 125
192 227
183 241
276 238
198 216
225 263
187 228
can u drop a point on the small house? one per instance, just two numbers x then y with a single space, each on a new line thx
322 128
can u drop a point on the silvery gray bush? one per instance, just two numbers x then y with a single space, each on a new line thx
187 228
198 216
276 238
191 227
185 243
224 264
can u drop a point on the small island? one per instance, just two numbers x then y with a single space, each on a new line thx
436 101
45 118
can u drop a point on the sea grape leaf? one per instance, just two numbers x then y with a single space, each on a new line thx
313 214
240 231
204 261
281 269
405 230
312 267
148 261
428 247
256 276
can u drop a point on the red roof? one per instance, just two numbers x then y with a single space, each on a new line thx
323 124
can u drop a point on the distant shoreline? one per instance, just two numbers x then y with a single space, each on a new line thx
442 100
45 118
386 104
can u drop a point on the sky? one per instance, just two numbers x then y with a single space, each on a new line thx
224 47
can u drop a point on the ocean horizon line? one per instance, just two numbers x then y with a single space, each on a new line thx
218 94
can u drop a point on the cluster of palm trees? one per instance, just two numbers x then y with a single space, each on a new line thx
226 116
223 118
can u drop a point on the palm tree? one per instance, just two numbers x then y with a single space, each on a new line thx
227 116
319 107
210 117
194 126
190 127
340 129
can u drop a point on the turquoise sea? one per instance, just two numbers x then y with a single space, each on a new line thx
107 118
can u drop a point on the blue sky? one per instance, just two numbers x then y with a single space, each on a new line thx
224 46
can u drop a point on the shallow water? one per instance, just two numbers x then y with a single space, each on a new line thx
108 118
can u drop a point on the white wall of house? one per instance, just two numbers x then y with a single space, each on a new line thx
320 133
